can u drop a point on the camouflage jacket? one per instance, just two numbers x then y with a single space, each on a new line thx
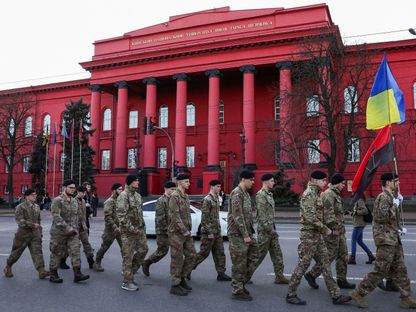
130 211
27 216
83 214
265 212
360 209
333 209
162 215
65 215
385 220
110 213
311 210
210 220
240 216
179 215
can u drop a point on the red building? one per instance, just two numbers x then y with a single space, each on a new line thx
210 79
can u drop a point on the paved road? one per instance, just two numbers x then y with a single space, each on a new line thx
102 292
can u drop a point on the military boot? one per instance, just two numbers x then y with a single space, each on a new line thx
222 277
8 271
54 277
97 266
185 285
408 303
178 291
78 276
358 299
90 262
311 280
129 286
341 299
63 265
345 284
281 280
145 267
351 260
294 299
242 297
371 258
43 273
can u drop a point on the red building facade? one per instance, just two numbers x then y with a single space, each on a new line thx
210 81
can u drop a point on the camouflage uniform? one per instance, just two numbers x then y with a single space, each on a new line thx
161 222
389 257
210 224
133 231
267 240
83 229
244 257
312 245
335 244
27 235
182 249
65 217
110 230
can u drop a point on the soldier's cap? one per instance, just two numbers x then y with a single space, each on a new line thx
29 192
267 177
246 174
337 178
81 188
388 176
68 182
169 184
182 176
116 186
318 175
131 178
215 182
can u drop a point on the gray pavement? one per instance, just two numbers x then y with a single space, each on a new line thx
102 292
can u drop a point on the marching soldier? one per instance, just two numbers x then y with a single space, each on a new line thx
182 249
243 247
336 245
211 238
133 231
29 234
389 256
161 223
312 245
64 233
111 227
267 237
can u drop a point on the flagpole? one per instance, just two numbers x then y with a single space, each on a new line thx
80 152
72 149
64 158
54 162
46 165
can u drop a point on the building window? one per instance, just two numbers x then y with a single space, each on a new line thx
350 99
313 153
47 124
133 119
190 156
86 125
131 159
7 164
190 114
24 188
277 107
26 163
105 160
107 120
414 93
163 116
28 126
11 127
62 161
221 112
162 157
6 190
354 150
312 105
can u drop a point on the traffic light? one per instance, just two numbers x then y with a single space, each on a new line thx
144 125
152 124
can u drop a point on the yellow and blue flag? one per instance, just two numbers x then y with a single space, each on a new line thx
385 106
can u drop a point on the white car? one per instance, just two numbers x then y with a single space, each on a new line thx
149 218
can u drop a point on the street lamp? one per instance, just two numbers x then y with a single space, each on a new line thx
412 31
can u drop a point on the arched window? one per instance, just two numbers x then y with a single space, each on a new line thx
133 119
11 127
221 112
350 99
107 120
277 107
28 126
163 116
47 123
190 114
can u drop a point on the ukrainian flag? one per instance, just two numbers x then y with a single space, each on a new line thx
385 105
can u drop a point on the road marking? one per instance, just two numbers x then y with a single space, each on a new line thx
365 239
4 255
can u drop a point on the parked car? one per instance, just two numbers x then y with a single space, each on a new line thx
149 218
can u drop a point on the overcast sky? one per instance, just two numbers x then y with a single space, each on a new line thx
43 41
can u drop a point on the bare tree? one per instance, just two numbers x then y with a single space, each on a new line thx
15 138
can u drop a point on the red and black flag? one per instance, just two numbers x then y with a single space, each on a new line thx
379 153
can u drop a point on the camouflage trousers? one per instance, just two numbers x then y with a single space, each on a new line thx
162 241
244 260
108 238
34 243
134 249
215 245
83 237
61 246
312 246
270 243
337 250
182 254
389 263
